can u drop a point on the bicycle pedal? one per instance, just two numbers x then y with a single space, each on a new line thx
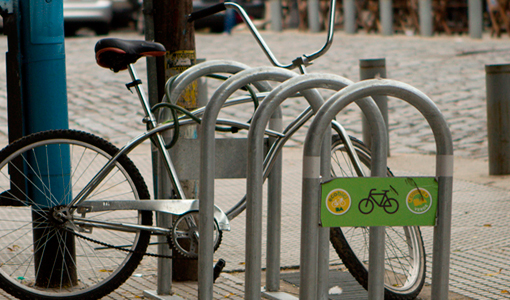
218 267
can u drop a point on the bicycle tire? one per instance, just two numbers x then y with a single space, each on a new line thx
99 270
404 249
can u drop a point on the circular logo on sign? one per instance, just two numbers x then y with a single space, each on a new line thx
338 201
419 201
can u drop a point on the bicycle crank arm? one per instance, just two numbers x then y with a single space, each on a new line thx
174 207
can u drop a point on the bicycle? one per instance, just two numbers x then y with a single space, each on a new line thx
96 221
366 205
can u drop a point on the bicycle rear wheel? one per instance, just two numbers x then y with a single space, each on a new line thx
404 251
40 256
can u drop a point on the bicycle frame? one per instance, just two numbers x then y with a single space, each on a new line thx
298 62
154 130
175 206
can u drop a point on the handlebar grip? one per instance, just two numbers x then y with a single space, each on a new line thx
206 12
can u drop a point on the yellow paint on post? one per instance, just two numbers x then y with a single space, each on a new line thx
176 63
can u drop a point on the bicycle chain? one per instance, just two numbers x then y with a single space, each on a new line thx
117 247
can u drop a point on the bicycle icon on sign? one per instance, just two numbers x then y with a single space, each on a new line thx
366 206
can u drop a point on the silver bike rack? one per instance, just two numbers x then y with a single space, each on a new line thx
187 166
183 153
312 179
180 83
306 85
207 165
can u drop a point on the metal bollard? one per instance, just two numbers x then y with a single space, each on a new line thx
498 118
276 15
425 11
386 15
369 69
475 12
314 24
349 16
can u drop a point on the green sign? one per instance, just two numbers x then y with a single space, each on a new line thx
377 201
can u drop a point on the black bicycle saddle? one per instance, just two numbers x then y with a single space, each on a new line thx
117 54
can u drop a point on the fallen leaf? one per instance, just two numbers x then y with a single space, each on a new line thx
505 292
494 274
487 225
13 248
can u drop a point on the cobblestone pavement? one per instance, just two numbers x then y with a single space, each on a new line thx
450 70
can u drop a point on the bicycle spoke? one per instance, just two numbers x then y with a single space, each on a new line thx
41 243
32 202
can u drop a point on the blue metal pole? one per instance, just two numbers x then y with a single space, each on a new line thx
43 65
43 83
43 72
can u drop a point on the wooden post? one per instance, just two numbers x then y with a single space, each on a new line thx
178 36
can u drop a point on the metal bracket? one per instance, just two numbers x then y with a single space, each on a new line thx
133 84
301 61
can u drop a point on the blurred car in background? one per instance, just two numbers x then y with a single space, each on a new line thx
102 15
126 12
94 14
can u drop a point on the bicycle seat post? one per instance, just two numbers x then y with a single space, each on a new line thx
137 85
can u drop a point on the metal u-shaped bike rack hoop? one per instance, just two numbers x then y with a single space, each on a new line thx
207 164
444 174
302 84
207 68
177 87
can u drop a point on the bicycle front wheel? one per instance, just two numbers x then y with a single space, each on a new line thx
41 254
404 251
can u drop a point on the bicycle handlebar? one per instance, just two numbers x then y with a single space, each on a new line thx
211 10
303 60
